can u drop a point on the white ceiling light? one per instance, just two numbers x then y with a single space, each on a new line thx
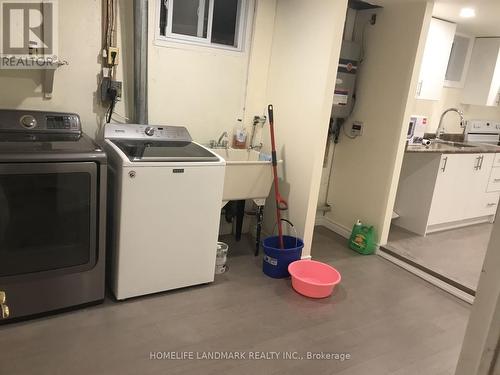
467 12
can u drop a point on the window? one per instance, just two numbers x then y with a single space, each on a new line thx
206 22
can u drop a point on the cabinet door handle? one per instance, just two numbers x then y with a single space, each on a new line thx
491 204
496 180
477 166
481 162
445 162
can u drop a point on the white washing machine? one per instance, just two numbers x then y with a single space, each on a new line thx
165 194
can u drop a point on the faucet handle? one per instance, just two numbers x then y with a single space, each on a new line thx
2 297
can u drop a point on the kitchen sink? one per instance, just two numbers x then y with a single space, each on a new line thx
246 176
454 144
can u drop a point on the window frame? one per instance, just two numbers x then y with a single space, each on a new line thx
171 39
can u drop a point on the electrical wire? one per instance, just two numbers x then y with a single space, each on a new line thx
109 112
330 173
363 46
124 118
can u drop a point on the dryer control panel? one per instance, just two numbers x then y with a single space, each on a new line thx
154 132
24 121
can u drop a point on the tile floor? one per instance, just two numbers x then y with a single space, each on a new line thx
457 254
389 321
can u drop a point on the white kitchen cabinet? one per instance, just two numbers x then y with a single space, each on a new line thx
458 65
480 202
482 86
443 191
435 59
451 182
494 184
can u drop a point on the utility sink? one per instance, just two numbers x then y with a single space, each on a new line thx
246 176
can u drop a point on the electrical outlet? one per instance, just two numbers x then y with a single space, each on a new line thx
113 55
107 85
104 89
117 85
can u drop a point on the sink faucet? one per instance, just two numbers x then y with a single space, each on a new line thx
222 136
256 121
440 129
220 143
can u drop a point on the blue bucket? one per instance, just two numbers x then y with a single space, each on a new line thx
276 260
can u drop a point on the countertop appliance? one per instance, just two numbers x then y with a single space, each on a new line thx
416 129
482 131
165 200
52 213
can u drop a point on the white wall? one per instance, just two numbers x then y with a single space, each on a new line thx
366 169
305 51
76 84
482 337
201 88
451 97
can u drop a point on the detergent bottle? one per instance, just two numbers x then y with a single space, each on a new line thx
362 238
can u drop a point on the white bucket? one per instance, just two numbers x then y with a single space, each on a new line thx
220 260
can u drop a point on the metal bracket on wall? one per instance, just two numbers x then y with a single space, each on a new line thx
48 75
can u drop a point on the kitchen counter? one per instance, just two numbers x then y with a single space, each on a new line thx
446 147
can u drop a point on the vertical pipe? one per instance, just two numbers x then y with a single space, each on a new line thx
141 61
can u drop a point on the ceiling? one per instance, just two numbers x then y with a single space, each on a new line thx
486 22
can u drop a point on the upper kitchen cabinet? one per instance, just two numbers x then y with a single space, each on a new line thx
482 86
435 59
458 66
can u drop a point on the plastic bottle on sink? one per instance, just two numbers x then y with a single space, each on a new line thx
239 135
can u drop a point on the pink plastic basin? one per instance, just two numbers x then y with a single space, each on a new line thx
313 279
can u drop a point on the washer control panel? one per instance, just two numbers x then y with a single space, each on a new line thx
152 132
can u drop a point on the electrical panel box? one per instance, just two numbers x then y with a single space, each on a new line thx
346 80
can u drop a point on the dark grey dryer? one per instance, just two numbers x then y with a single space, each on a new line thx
52 214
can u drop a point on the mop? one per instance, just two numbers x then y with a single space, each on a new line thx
281 204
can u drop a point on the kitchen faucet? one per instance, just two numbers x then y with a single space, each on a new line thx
440 129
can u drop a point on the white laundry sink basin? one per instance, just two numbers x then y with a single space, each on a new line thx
246 176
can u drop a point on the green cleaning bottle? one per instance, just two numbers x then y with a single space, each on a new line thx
362 238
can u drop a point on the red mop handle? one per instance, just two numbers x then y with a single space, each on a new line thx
281 204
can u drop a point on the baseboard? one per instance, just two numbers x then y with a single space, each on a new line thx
334 227
464 296
460 224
